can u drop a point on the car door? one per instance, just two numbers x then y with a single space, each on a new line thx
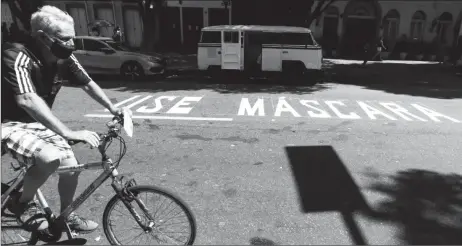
98 61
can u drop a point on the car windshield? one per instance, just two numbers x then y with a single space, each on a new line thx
116 45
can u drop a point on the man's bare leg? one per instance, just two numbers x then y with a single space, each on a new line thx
67 184
46 162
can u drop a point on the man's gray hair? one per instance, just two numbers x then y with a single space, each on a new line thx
49 19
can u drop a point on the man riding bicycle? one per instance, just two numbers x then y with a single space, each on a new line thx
30 131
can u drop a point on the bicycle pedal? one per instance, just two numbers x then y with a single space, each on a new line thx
130 183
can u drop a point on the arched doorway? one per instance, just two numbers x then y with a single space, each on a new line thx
391 28
361 20
443 28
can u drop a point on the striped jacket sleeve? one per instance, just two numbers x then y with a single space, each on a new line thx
76 73
16 71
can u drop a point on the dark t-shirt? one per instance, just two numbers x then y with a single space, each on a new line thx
23 71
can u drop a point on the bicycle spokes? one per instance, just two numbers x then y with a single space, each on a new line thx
157 216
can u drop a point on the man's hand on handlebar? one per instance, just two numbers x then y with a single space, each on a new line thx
116 111
89 137
93 138
119 113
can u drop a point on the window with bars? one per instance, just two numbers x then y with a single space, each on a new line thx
391 27
442 30
443 27
418 25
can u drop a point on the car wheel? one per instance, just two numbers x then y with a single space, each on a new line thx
132 70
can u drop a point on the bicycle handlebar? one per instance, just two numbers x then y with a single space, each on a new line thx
111 125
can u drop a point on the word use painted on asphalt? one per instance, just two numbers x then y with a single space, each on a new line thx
170 107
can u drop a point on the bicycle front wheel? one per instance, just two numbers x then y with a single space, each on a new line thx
172 222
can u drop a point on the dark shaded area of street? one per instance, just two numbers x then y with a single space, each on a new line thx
75 241
416 79
421 79
427 205
261 241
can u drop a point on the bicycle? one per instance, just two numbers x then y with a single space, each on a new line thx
129 193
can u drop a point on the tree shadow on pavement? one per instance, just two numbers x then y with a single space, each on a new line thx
427 204
398 77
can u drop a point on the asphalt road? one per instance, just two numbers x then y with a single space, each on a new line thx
222 148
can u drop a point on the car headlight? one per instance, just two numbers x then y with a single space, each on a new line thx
153 59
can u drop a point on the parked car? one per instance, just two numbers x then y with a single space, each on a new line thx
103 55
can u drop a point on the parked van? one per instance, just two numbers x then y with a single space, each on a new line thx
258 49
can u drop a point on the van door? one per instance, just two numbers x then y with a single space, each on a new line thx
231 50
272 52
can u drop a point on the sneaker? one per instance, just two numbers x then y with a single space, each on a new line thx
79 224
30 214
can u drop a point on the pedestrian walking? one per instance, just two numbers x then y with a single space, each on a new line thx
117 36
95 32
369 49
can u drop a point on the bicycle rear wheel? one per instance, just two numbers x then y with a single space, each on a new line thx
181 217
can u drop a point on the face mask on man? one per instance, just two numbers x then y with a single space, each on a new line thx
60 48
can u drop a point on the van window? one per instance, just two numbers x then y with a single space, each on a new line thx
298 39
211 37
231 37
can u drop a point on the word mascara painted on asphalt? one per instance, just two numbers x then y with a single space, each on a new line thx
340 110
172 107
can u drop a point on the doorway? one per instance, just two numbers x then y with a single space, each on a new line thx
252 51
358 31
79 14
193 21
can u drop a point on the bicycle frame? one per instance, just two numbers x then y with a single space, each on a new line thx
109 171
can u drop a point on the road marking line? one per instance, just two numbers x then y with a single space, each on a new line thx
163 117
124 101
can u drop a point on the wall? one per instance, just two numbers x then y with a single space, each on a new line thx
117 8
205 5
6 14
406 9
432 10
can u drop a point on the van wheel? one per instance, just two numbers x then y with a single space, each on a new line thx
132 71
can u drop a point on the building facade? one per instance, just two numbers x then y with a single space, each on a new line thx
122 13
352 22
345 26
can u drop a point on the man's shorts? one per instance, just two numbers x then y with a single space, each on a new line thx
24 140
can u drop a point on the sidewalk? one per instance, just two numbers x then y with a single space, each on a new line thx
393 72
181 63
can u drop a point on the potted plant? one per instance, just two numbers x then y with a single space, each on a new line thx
402 49
430 51
386 53
419 51
447 53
